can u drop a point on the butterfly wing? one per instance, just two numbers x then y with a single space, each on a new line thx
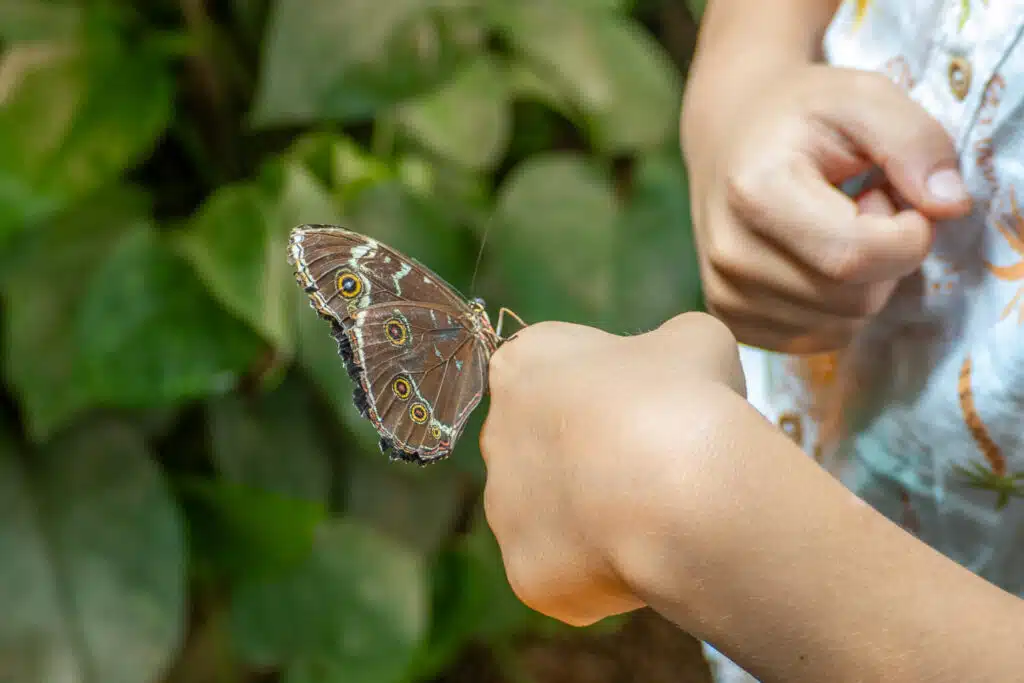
421 371
344 272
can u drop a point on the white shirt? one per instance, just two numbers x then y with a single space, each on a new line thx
933 393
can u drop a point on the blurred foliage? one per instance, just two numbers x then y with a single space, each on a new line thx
186 491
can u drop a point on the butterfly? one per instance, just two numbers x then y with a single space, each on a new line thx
417 350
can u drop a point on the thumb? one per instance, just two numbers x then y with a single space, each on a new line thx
913 150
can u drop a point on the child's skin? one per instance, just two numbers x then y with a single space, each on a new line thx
631 471
624 471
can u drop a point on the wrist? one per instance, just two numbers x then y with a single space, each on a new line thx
780 36
746 543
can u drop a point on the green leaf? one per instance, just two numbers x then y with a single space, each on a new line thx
148 334
656 263
73 118
271 443
238 245
696 8
553 239
357 607
92 580
472 601
247 534
235 247
38 20
417 506
347 59
468 120
617 75
39 336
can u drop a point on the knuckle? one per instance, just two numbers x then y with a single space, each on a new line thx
845 261
745 189
724 303
722 252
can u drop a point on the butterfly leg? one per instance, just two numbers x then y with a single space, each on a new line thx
501 320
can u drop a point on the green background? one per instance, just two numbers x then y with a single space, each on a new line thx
186 491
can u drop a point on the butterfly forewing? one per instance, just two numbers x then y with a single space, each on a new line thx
344 272
421 372
416 348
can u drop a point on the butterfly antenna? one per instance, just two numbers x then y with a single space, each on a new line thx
480 254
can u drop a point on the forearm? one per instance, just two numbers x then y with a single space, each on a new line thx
741 40
791 575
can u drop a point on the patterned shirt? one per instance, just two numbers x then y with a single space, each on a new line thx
922 415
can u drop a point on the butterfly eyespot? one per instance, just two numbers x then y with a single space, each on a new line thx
435 431
402 388
396 332
418 413
349 285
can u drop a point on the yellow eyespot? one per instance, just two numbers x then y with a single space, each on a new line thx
401 388
396 332
435 431
349 285
418 413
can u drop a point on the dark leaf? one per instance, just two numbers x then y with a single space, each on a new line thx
357 607
39 333
656 265
619 78
553 237
74 116
468 120
94 562
244 533
347 59
149 334
272 443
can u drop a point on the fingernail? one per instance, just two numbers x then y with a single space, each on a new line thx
947 186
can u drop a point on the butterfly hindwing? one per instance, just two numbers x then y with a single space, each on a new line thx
421 371
344 272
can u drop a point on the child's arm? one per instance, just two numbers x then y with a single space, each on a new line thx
625 471
787 260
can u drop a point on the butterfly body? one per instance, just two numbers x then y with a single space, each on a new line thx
417 350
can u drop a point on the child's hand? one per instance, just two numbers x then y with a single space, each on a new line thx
568 481
788 261
632 471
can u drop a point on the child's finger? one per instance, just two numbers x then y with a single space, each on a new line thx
915 152
825 230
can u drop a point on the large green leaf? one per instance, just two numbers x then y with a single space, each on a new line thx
656 264
469 120
553 238
238 245
271 443
148 333
92 577
242 533
472 601
356 610
74 116
621 80
236 248
418 506
696 8
41 349
346 59
37 20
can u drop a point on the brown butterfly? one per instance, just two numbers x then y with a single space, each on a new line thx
416 348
